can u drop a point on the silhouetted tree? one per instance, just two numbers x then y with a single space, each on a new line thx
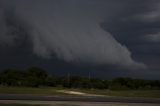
35 77
12 77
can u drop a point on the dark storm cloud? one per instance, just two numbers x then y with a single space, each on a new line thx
138 27
69 29
103 32
127 27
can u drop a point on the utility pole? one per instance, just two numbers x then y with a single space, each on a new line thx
89 75
89 78
68 79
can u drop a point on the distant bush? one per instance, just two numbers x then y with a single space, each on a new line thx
35 77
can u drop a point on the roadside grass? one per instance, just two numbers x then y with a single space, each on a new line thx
125 93
19 105
30 90
54 91
36 105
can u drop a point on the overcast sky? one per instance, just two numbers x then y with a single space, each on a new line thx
107 38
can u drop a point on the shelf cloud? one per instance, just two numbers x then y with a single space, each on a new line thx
70 30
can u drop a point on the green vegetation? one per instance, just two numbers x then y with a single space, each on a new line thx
38 81
30 90
126 93
37 77
35 105
53 91
19 105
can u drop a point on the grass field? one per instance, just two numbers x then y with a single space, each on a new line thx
18 105
54 91
28 90
36 105
127 93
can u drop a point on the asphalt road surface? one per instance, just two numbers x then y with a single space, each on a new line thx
70 103
78 98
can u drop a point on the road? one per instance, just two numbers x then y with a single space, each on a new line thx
73 98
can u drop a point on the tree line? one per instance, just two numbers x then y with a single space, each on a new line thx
36 77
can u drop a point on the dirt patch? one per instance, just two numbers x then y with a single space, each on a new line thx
76 93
